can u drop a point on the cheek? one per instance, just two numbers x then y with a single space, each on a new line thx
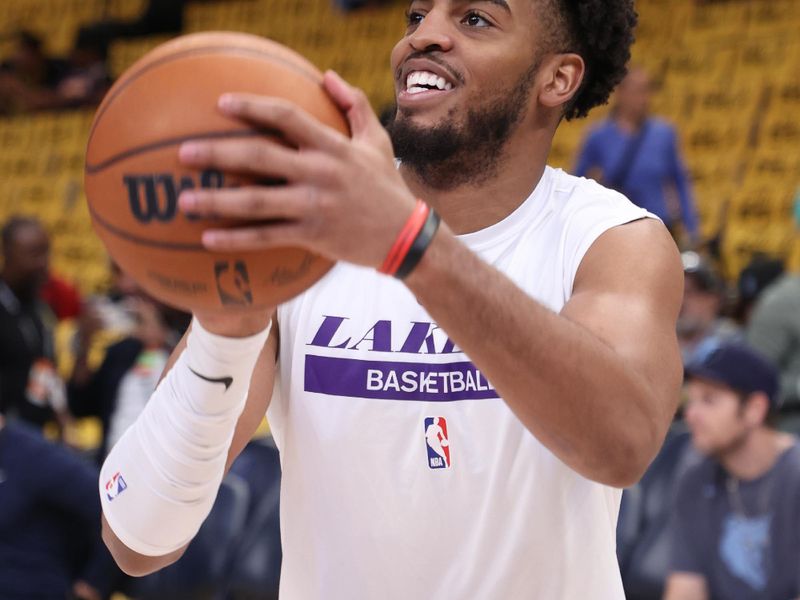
396 56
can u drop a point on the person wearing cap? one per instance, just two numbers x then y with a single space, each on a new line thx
736 516
701 328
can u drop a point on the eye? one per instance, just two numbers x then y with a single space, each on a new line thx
413 18
474 19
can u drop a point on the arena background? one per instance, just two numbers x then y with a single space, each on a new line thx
726 74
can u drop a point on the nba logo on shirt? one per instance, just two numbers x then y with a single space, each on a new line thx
437 443
115 486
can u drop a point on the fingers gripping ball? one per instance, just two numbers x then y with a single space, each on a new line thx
133 177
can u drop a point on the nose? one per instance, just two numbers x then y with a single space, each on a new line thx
433 33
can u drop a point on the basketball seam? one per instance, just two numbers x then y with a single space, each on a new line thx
192 51
97 168
121 233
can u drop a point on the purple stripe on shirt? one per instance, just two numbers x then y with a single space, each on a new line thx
385 380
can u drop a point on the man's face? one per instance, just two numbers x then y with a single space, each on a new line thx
699 309
463 78
634 93
28 259
715 417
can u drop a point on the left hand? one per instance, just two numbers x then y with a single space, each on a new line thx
343 198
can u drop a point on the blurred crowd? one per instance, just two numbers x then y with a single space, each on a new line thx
70 366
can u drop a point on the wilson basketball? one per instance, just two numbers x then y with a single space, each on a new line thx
133 177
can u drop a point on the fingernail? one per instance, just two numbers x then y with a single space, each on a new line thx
210 238
187 201
188 151
228 103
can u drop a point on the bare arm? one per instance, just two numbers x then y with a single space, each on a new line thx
686 586
598 383
258 398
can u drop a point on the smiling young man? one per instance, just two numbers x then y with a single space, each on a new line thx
461 429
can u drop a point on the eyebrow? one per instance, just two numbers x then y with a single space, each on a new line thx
501 3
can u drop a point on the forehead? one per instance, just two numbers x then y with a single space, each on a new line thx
29 234
708 387
512 7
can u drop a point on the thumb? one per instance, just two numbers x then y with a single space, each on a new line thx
353 102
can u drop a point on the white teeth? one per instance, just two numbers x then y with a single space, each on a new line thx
416 79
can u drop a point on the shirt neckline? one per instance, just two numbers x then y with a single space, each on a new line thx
529 212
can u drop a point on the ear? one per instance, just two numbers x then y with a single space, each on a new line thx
756 409
560 77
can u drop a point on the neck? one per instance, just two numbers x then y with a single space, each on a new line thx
470 208
629 122
757 454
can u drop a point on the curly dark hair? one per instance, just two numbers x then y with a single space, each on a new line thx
601 32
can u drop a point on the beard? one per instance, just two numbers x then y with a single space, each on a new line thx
458 152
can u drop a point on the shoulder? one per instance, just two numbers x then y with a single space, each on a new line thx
784 292
585 206
23 444
599 130
662 126
700 479
606 234
792 460
572 193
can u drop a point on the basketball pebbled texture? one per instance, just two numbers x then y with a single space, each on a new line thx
133 178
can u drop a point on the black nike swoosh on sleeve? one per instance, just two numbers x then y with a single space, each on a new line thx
226 381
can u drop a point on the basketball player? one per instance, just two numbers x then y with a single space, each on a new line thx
537 324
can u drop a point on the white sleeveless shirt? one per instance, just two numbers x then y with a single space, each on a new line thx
404 475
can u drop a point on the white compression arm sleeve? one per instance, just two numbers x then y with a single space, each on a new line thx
160 480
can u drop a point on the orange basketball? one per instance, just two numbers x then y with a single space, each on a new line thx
133 177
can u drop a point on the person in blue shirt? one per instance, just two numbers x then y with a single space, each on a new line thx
50 546
638 155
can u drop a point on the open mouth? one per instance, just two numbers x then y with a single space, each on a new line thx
418 82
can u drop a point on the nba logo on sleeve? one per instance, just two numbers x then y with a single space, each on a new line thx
115 486
437 443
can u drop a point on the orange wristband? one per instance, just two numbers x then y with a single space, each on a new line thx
405 239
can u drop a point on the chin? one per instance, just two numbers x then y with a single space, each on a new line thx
704 446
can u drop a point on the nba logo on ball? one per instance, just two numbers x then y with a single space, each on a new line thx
115 486
437 443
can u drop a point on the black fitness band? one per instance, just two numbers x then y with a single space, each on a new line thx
419 246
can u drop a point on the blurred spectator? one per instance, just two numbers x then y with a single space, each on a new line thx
759 273
62 297
735 523
701 328
29 385
87 78
50 544
158 16
119 389
29 78
32 81
638 155
775 330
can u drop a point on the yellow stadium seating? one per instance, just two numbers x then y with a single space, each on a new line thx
727 75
